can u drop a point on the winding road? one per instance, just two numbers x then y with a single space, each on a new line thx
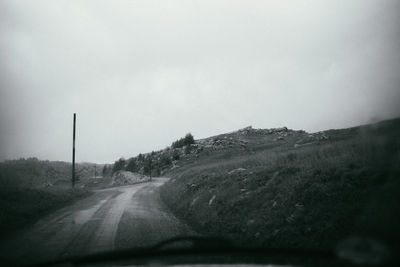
110 219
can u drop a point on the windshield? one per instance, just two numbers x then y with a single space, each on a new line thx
216 131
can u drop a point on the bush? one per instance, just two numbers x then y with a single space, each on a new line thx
184 141
107 170
175 155
188 149
132 166
165 160
119 165
148 166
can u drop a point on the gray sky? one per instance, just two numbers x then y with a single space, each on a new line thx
140 74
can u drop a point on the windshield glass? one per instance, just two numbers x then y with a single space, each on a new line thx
230 127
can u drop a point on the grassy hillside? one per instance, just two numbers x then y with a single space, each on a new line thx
285 188
21 206
32 172
30 188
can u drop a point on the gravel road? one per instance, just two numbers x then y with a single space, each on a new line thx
110 219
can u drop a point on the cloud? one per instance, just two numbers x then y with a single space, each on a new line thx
140 74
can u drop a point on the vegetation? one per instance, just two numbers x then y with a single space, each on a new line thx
31 188
31 172
184 141
119 165
277 193
21 206
156 162
165 160
132 166
148 165
175 155
107 170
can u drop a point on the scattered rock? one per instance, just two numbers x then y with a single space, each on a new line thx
211 200
193 201
290 219
250 222
245 130
304 144
47 184
236 170
275 232
126 177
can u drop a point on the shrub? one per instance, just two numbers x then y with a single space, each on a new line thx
184 141
165 160
107 170
175 155
148 165
132 166
119 165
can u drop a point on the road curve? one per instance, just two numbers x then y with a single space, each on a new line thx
110 219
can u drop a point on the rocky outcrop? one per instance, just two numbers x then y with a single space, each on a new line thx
126 178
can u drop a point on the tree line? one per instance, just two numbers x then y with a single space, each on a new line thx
153 163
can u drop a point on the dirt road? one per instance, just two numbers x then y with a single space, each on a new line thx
110 219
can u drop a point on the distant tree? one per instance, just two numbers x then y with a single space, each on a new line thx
177 143
132 166
140 157
147 166
119 165
188 149
165 160
185 141
105 169
175 155
189 139
156 171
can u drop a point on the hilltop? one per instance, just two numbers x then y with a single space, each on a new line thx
246 140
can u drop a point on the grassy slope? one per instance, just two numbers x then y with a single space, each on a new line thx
22 206
308 196
23 195
32 172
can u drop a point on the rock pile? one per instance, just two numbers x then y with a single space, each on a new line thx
126 178
219 142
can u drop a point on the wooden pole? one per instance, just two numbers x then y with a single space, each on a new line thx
73 152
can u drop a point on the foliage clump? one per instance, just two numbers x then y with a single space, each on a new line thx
156 162
119 165
184 141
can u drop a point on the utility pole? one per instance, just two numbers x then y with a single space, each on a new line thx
73 152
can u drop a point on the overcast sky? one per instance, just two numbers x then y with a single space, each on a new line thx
140 74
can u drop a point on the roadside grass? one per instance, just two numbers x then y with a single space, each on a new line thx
312 196
31 188
21 206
